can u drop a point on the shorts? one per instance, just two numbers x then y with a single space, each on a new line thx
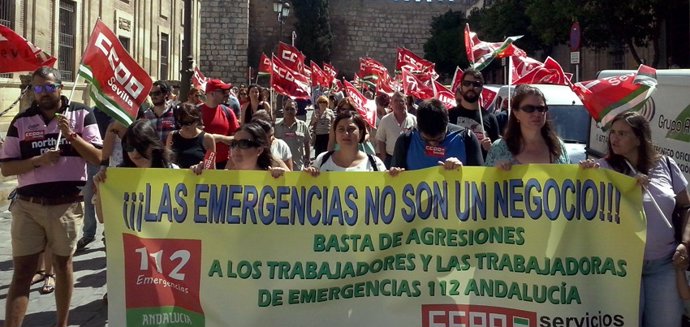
36 227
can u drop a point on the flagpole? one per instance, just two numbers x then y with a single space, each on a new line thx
510 81
15 101
71 94
656 205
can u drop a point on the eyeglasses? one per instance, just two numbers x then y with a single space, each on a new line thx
47 88
243 144
324 102
475 84
528 108
156 93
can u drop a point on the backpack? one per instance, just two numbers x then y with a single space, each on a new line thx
328 154
407 139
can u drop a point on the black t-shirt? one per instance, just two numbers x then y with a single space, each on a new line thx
470 119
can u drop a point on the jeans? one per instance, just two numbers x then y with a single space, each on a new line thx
90 222
660 303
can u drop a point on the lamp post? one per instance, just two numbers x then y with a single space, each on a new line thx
187 58
282 8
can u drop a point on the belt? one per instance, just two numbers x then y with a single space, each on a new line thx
51 201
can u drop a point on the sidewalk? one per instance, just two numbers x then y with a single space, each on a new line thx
87 308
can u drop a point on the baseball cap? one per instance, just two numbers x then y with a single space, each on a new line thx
216 84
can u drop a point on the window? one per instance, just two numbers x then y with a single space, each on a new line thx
165 46
125 42
7 13
66 53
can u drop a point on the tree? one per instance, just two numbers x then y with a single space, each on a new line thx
313 28
446 47
507 18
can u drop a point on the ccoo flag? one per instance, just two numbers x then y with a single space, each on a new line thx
19 55
607 97
119 86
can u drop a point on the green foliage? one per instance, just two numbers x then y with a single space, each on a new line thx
446 46
314 36
546 23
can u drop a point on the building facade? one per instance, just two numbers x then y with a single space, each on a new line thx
151 30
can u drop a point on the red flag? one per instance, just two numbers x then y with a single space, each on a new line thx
550 72
120 85
488 96
19 55
199 80
265 65
522 66
306 71
289 82
413 86
444 95
607 97
319 77
457 79
480 53
406 59
331 72
291 57
364 108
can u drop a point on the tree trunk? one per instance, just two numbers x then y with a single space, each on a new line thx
633 51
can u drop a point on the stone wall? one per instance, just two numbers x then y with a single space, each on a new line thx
224 39
372 28
376 28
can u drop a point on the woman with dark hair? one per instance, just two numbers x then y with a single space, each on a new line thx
243 96
190 143
350 131
348 105
256 102
143 147
529 137
250 150
631 152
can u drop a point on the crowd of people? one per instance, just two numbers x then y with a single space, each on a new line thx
237 128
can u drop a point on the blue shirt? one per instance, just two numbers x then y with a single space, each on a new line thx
420 155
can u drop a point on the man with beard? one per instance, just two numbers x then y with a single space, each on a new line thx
47 211
161 114
469 113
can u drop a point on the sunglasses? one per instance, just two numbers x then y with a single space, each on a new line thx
47 88
187 123
290 109
156 93
530 108
243 144
475 84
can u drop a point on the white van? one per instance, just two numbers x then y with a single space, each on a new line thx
566 112
668 113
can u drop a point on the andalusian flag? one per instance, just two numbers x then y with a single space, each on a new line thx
119 86
480 53
607 97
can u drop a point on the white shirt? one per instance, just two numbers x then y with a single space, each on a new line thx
364 165
389 130
281 150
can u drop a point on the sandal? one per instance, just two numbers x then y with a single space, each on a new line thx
48 284
39 276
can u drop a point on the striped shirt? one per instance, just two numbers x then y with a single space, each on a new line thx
164 124
322 123
29 136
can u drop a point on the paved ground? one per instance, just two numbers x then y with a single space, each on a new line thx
89 285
